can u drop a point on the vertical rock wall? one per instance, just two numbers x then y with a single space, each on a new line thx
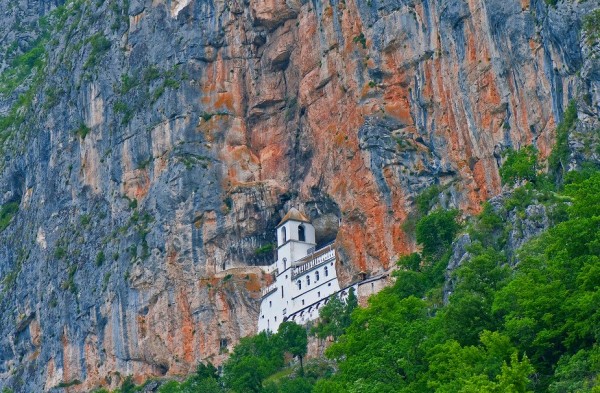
164 139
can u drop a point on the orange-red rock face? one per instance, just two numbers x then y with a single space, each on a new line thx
432 77
346 109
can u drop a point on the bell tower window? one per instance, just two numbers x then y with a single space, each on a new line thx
301 234
283 235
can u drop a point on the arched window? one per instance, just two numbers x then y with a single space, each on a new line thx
316 276
283 235
299 283
282 292
285 264
301 235
326 272
307 280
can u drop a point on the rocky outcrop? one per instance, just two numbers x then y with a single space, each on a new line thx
155 148
519 225
460 255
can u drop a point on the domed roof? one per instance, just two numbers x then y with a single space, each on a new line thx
293 215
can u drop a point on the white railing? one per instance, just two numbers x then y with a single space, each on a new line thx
314 260
270 289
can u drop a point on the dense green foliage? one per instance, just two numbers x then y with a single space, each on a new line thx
294 339
265 250
205 380
534 328
426 199
436 231
256 358
335 316
519 165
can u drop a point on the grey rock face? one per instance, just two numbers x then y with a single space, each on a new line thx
525 226
460 255
152 147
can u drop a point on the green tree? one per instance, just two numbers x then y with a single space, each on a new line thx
128 385
170 387
205 380
578 372
296 385
246 374
294 339
436 231
519 165
469 311
351 305
491 366
330 323
380 351
549 309
252 360
335 316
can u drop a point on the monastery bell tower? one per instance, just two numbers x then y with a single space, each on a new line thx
295 238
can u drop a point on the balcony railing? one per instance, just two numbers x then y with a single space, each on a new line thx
270 289
313 260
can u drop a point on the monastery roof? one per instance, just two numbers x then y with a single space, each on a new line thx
293 215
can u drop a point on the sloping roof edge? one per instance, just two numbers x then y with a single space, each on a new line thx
293 215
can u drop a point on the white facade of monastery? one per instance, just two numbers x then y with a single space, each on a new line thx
304 277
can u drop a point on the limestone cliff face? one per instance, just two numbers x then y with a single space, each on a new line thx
156 147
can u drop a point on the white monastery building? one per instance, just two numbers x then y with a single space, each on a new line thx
304 277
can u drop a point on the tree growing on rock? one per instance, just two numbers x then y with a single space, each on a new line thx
294 339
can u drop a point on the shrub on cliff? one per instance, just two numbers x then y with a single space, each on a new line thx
436 231
519 165
557 161
591 27
7 212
